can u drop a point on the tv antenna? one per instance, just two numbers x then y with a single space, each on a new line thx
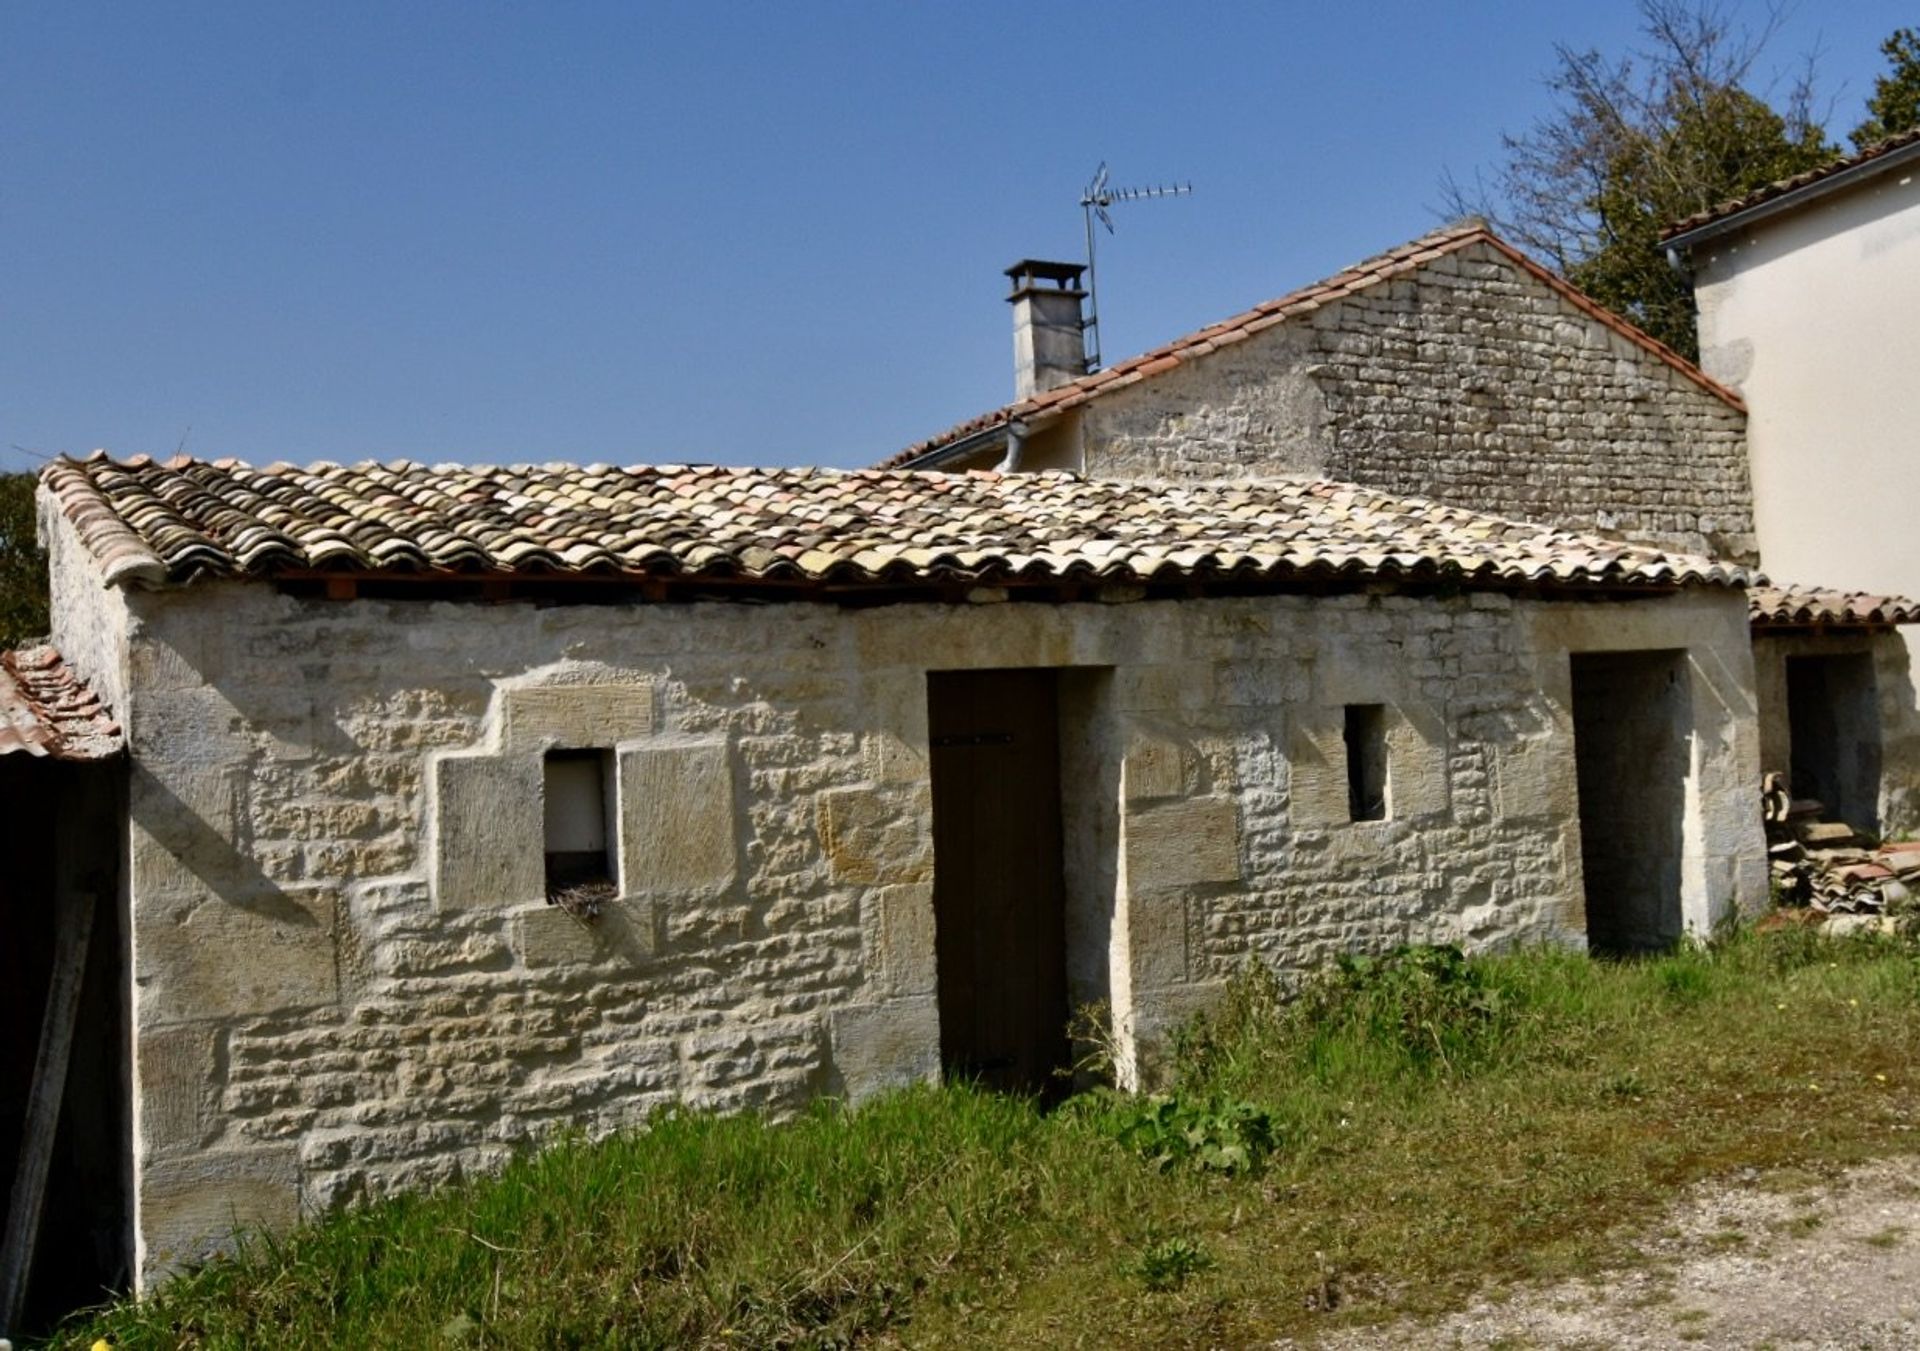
1094 203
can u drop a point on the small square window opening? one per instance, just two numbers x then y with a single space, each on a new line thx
579 840
1366 735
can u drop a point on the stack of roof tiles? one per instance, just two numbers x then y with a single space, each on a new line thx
48 711
151 523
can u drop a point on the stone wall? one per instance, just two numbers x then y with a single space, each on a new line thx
347 981
89 618
1467 380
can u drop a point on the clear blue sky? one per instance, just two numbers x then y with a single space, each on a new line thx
767 233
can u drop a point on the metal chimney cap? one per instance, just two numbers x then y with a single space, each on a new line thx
1029 270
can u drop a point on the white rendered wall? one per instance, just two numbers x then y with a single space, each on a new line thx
1814 316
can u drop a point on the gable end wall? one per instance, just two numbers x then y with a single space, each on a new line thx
1467 381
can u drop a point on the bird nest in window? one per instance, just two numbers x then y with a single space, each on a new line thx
583 900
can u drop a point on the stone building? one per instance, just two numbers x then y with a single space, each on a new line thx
1457 368
1453 367
457 805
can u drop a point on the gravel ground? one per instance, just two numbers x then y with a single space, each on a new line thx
1778 1261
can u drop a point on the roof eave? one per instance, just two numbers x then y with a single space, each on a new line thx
1792 200
937 456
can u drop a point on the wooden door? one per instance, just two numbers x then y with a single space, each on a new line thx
998 891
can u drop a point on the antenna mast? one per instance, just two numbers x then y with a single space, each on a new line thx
1094 202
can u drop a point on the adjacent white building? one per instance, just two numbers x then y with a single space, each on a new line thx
1809 300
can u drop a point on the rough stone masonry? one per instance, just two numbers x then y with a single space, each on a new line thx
346 980
1467 380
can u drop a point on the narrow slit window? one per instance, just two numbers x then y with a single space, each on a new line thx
579 792
1366 762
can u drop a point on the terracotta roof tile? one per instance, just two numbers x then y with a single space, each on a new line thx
46 710
1396 262
1782 186
150 524
1805 606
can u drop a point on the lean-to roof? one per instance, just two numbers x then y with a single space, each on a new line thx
1812 607
48 711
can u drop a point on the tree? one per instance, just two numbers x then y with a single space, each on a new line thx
23 567
1894 105
1637 142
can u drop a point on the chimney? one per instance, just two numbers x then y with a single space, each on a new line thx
1049 336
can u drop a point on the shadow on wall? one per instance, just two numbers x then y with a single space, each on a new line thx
182 829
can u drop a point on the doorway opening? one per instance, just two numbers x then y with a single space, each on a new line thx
61 926
999 892
1632 733
1833 736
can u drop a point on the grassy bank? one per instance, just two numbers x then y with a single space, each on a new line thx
1403 1131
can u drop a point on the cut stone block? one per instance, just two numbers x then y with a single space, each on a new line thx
1534 778
677 818
1416 765
548 936
1317 769
582 717
1154 769
489 842
1157 935
870 836
907 960
883 1046
1157 1015
191 1207
269 951
175 1068
1177 844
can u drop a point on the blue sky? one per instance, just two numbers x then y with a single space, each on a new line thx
753 234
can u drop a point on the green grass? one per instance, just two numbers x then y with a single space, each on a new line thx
1409 1128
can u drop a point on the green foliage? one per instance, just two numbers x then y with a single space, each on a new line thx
1429 1005
1894 105
23 567
1637 141
1710 144
1168 1264
1212 1134
1686 978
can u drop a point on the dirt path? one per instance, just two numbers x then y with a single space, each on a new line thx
1776 1262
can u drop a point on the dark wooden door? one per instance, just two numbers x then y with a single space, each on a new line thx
998 890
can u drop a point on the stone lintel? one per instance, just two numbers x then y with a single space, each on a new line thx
581 717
